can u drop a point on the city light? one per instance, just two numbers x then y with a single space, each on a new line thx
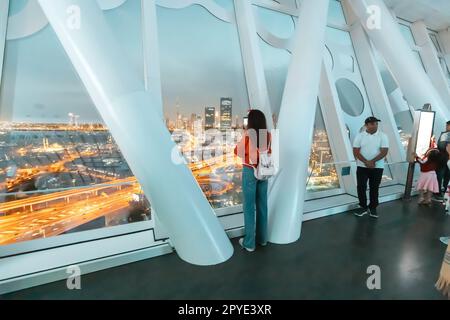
91 180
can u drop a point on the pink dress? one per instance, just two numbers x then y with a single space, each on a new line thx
428 179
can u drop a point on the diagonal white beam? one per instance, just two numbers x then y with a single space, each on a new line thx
335 126
127 110
296 123
4 10
430 59
152 70
387 38
378 98
251 55
444 36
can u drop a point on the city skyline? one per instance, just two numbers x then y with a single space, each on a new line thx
36 159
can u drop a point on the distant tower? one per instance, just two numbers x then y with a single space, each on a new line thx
217 120
226 113
178 120
71 119
236 122
76 119
192 122
210 114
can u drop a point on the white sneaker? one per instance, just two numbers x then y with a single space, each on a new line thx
241 243
444 240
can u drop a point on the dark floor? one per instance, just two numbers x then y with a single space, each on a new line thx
329 262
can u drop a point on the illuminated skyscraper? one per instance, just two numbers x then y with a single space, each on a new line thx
71 119
217 120
192 121
210 114
178 120
197 125
185 123
226 113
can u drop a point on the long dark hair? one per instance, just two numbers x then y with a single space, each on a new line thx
257 121
435 157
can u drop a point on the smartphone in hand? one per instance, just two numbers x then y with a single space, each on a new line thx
245 123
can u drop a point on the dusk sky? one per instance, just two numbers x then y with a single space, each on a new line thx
39 83
199 65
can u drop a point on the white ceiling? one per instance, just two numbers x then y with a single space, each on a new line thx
435 13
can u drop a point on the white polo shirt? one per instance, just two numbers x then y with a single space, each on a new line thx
371 145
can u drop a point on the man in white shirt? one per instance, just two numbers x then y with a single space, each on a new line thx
370 148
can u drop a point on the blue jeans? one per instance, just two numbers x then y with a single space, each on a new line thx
255 197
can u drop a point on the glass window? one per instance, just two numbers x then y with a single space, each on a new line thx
279 24
289 3
336 13
445 68
204 87
349 84
17 6
389 82
322 170
435 42
419 59
405 124
323 175
407 33
350 87
276 63
399 105
350 97
60 169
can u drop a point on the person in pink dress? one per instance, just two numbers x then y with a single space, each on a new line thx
427 184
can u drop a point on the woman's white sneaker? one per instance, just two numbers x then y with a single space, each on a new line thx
241 243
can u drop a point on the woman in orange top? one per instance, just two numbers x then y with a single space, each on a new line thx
255 139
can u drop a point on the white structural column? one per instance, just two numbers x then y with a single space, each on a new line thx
251 55
150 44
388 39
126 108
431 60
376 93
337 132
296 123
444 36
4 10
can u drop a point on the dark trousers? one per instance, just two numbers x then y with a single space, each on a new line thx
373 176
443 176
